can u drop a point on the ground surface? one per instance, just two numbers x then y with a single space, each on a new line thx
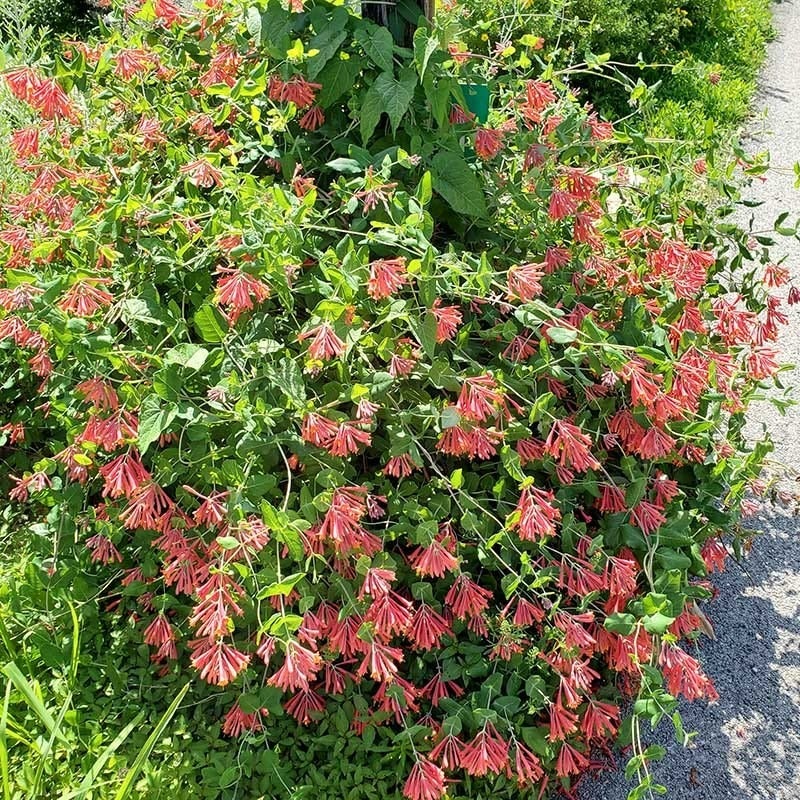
748 744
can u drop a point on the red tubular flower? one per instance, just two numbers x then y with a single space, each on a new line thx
303 704
85 297
527 767
167 12
51 100
466 599
25 142
600 720
325 345
454 441
648 517
537 514
437 559
539 95
103 550
425 781
655 444
448 320
201 173
130 62
318 430
239 290
562 205
448 752
488 142
99 393
300 666
524 282
683 674
377 582
347 439
159 633
562 722
123 475
217 662
344 636
386 276
487 752
400 706
623 577
570 761
146 507
380 661
312 119
714 554
390 614
22 82
237 722
437 688
570 446
400 466
299 91
480 398
212 615
427 628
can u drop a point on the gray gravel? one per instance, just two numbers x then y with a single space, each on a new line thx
748 744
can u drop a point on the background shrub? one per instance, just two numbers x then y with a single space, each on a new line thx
707 54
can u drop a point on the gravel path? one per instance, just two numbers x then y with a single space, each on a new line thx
748 744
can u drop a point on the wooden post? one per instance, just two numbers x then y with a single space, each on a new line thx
399 16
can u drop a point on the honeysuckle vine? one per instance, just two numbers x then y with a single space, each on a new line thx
373 409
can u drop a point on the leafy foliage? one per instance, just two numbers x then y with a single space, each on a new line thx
694 64
418 431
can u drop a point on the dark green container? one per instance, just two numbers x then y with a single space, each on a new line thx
476 96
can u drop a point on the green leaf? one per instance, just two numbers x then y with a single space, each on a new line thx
450 417
284 588
458 184
253 21
188 355
389 94
327 42
620 623
141 309
210 324
424 190
276 27
657 623
562 335
289 380
424 47
153 421
378 44
291 538
337 77
371 110
427 334
349 165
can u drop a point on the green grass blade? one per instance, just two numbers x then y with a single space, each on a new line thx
49 747
5 776
76 643
13 673
5 638
127 785
91 776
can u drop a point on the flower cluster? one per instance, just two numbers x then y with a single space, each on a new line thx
439 428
